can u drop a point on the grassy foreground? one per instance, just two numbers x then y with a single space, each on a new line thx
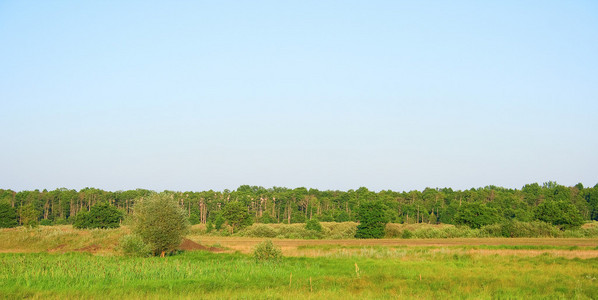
379 273
59 262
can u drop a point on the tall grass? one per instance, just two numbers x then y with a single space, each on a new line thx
383 273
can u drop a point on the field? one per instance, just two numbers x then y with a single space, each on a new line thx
60 262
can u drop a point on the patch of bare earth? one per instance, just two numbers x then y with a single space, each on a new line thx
90 248
59 248
189 245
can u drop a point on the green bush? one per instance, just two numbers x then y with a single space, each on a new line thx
259 230
314 225
160 222
407 234
516 229
133 245
209 227
344 230
45 222
194 219
266 251
101 215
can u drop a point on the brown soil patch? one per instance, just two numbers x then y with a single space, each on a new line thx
91 248
189 245
57 248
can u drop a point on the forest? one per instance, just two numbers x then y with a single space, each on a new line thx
549 202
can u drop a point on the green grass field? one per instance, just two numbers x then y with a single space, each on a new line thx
378 272
64 265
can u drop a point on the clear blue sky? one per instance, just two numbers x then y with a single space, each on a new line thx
194 95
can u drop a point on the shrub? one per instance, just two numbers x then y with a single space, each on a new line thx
209 227
45 222
133 245
260 230
160 222
392 230
407 234
101 215
194 219
218 222
345 230
267 251
8 216
513 228
314 225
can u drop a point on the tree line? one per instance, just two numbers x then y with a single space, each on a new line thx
549 202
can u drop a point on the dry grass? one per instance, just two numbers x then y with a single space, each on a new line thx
293 247
60 239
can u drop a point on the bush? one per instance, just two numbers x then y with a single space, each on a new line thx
314 225
160 222
260 230
266 251
8 216
133 245
218 222
517 229
45 222
407 234
345 230
209 227
194 219
101 215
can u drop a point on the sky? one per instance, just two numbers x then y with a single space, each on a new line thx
333 95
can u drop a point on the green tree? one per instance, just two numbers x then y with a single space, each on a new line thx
236 215
160 222
372 220
28 215
559 213
219 221
476 215
8 216
101 215
314 225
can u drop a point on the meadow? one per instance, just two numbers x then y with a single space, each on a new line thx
59 262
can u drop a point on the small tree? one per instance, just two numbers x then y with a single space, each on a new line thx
236 215
314 225
160 222
29 215
8 216
101 215
372 220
